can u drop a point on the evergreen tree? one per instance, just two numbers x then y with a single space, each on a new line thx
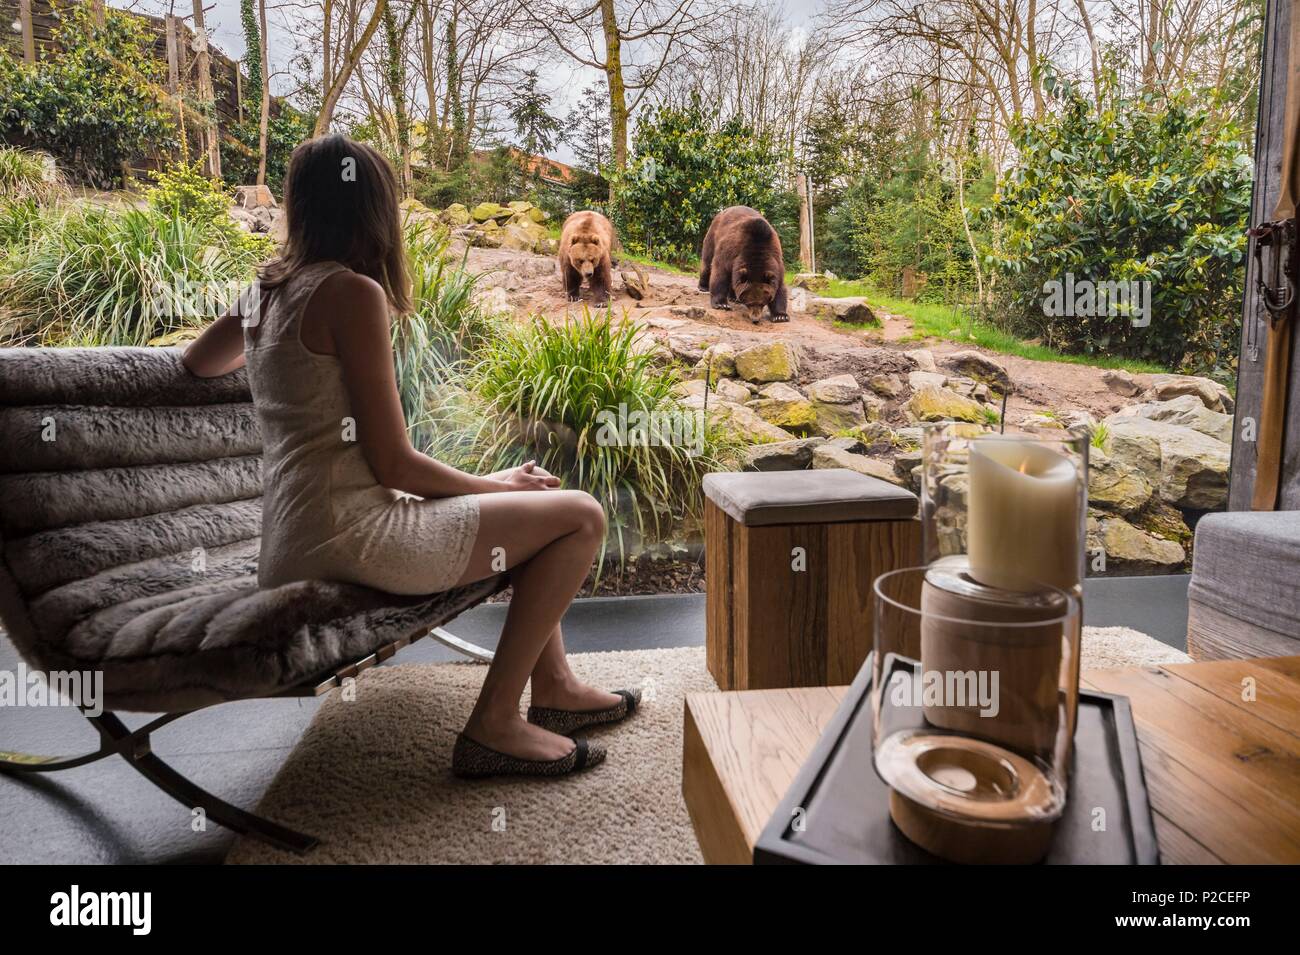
537 129
587 130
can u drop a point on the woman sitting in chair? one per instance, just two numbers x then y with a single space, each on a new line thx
346 497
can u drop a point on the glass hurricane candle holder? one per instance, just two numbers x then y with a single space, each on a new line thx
975 695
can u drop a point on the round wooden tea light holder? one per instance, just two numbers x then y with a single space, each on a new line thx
977 788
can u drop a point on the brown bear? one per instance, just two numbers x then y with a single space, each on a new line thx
586 242
741 262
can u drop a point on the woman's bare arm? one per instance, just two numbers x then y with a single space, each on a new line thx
354 312
219 350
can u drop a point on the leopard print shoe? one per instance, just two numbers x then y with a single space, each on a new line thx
567 722
470 759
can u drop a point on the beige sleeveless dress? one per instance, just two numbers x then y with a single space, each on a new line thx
324 516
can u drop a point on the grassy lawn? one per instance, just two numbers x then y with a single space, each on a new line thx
942 321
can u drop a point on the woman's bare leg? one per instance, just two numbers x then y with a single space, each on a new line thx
555 686
546 540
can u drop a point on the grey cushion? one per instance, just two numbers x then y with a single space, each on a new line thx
1246 564
130 514
830 496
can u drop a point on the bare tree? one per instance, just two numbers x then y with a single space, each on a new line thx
632 42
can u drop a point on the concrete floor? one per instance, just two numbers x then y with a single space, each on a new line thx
107 813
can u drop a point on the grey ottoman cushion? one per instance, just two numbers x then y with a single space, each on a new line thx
831 496
1246 564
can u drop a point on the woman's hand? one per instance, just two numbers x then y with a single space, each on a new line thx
527 477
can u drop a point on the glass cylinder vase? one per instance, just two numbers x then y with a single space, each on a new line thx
976 659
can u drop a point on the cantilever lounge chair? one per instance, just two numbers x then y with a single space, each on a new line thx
130 516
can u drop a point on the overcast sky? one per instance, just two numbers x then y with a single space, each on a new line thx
563 80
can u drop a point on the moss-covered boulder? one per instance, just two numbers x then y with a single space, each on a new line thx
770 361
456 215
485 211
1116 486
940 404
830 456
785 407
1129 549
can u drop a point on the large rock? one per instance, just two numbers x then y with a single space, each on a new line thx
770 361
1116 486
1211 393
486 211
924 359
518 239
886 385
728 389
785 407
744 422
1121 383
456 215
926 379
1130 550
838 404
852 311
720 358
811 281
1190 469
982 368
254 197
940 404
829 456
1190 412
781 455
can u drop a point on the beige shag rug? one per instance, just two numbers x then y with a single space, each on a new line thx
370 777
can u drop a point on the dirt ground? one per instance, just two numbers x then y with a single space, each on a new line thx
676 308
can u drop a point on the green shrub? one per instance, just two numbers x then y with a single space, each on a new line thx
444 331
96 102
1136 190
239 148
561 394
182 190
687 168
102 276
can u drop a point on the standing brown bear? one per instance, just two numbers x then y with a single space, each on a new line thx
585 245
741 262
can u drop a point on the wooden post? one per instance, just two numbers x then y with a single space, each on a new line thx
97 12
805 224
173 61
29 38
206 96
239 92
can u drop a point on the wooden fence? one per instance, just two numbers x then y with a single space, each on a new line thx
27 29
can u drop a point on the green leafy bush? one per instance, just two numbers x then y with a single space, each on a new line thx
433 345
182 190
561 394
687 168
239 148
1136 190
94 103
90 275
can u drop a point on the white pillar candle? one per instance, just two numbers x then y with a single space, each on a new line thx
1023 517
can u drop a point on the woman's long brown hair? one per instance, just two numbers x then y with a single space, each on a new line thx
341 205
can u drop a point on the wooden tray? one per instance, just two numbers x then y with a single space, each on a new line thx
837 810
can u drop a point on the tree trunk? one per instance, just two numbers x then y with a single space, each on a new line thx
264 121
458 147
617 91
207 97
327 66
335 90
395 78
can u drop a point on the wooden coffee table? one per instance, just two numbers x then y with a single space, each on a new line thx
1223 773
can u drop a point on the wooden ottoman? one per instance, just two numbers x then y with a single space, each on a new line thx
790 558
